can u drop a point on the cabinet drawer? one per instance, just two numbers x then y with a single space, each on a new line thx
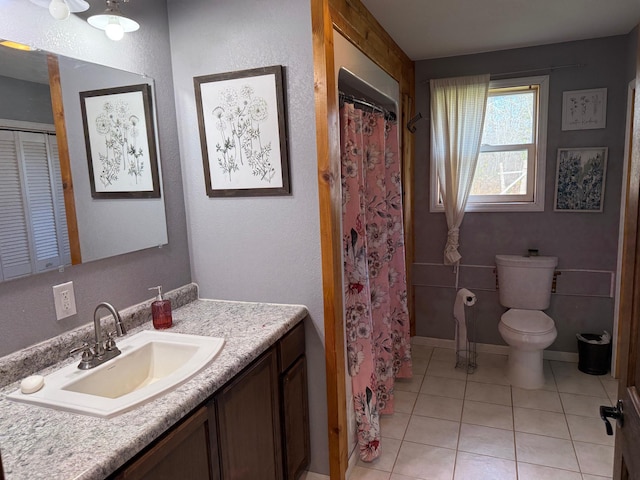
291 347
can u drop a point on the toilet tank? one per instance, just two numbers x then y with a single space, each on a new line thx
525 282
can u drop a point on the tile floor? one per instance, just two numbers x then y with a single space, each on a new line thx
450 425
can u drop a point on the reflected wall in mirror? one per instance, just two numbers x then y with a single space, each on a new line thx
48 218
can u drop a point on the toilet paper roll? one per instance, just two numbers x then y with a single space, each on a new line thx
464 298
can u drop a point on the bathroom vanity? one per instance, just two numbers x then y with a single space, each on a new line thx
243 416
256 426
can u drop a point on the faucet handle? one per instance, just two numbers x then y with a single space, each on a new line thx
87 355
85 348
110 343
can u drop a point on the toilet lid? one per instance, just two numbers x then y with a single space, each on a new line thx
529 321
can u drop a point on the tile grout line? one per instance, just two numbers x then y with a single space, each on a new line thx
424 376
564 412
513 418
464 399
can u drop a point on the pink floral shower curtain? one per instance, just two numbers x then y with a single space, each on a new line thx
376 315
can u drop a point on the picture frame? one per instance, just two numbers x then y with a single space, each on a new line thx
241 120
580 179
120 142
584 109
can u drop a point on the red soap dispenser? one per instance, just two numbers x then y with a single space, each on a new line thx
161 311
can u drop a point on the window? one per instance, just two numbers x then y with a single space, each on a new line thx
510 171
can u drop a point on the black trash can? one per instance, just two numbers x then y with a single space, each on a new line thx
594 354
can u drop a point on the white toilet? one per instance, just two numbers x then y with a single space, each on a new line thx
525 288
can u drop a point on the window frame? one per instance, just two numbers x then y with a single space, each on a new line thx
512 203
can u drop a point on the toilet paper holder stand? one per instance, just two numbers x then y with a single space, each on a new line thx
466 358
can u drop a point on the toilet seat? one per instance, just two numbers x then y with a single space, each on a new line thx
530 322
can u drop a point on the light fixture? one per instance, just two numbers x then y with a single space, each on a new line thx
114 24
60 9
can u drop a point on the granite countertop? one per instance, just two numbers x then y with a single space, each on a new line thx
38 442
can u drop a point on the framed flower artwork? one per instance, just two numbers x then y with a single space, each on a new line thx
580 179
120 140
241 118
584 109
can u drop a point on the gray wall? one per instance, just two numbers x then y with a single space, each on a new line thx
261 248
27 313
581 241
25 101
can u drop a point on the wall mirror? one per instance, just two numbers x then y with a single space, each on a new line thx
48 217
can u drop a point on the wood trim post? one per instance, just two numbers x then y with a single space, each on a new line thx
327 131
63 153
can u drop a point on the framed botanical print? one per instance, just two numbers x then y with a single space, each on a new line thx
241 118
584 109
120 141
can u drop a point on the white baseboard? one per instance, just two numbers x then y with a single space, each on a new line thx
560 356
433 342
490 348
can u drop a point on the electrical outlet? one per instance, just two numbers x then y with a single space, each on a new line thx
64 300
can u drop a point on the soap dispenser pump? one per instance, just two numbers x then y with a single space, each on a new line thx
161 311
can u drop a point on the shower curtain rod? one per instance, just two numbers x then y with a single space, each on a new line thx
351 99
521 72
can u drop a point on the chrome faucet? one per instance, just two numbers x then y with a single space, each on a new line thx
101 351
120 329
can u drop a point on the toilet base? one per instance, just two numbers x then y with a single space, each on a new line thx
525 368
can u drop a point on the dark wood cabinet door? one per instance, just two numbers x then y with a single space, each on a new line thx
187 451
295 419
249 424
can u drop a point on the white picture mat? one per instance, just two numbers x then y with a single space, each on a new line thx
135 106
584 109
263 86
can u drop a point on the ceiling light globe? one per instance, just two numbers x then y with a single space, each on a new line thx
59 9
114 29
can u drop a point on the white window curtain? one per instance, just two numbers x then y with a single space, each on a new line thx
458 108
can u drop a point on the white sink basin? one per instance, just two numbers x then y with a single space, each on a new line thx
151 363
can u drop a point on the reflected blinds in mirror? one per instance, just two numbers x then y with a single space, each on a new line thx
31 215
14 244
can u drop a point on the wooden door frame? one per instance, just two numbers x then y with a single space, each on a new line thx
357 25
630 275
